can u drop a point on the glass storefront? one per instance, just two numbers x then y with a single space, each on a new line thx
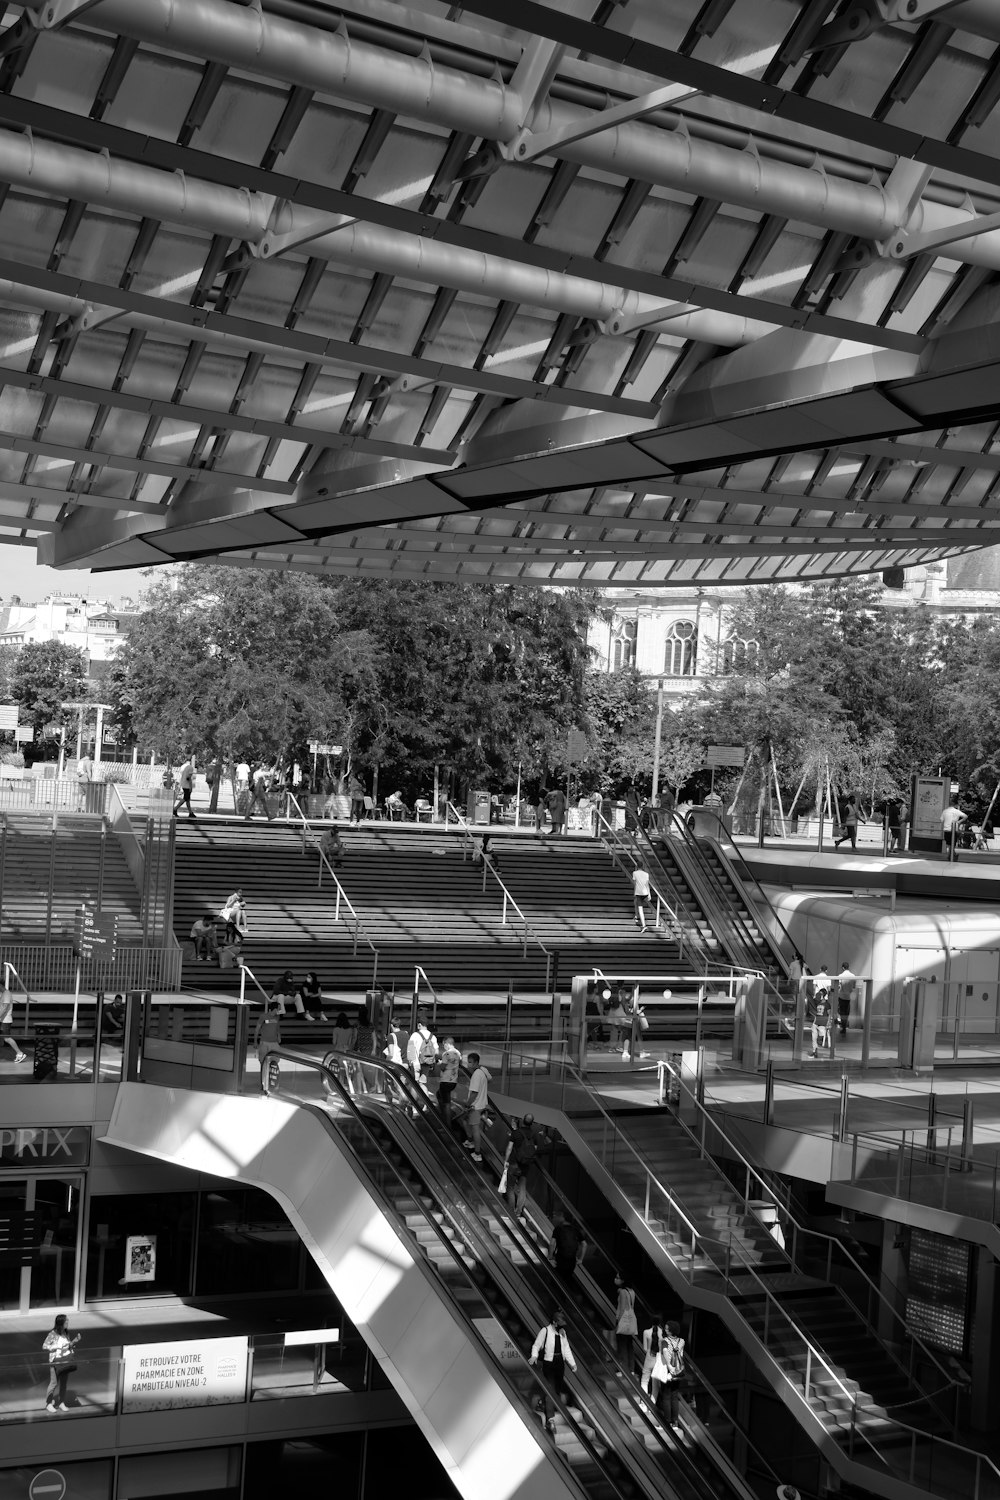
39 1241
119 1227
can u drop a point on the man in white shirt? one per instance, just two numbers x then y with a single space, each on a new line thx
84 776
845 983
640 894
185 783
553 1346
476 1105
951 821
421 1049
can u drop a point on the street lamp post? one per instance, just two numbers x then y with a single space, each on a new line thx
659 737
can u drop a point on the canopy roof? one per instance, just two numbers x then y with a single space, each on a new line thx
633 292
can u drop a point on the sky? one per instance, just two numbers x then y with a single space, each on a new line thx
21 574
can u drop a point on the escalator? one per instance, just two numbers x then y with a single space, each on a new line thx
445 1287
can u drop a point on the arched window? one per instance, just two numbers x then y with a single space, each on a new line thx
623 636
680 653
738 655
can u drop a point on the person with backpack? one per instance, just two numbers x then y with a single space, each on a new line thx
422 1049
449 1063
664 1349
567 1247
820 1012
523 1147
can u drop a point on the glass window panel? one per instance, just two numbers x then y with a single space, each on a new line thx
166 1218
213 1472
315 1466
84 1481
245 1244
57 1219
16 1239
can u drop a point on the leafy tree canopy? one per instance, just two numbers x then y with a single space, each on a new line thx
47 674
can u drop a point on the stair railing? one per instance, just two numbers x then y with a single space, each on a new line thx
736 1266
419 972
670 915
801 1236
311 840
528 933
247 973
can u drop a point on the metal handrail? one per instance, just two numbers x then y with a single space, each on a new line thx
747 1268
419 972
244 971
750 1171
311 839
8 969
469 839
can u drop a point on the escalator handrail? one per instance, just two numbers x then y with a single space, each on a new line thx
728 845
461 1172
514 1396
593 1355
708 890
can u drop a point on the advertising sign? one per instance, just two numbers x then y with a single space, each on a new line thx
196 1372
929 796
140 1257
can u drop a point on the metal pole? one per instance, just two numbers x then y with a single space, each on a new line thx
659 736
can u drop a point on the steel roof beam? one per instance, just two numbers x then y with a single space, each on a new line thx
529 145
205 416
292 343
310 201
332 63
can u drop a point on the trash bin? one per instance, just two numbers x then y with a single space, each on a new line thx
479 807
46 1063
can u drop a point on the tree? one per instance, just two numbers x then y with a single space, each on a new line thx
480 679
46 675
236 662
621 715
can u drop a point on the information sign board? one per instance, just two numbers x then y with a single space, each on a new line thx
195 1372
929 796
23 734
8 715
724 755
318 747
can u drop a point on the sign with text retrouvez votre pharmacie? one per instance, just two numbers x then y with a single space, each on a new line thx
197 1372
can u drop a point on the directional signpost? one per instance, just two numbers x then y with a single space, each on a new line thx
723 755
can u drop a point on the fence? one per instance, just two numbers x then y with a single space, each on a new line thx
54 969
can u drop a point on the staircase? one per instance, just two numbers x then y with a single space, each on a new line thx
419 902
79 856
854 1387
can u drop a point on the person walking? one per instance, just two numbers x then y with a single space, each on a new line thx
951 821
820 1011
641 895
356 792
540 809
845 982
848 822
567 1247
626 1325
422 1049
556 805
258 795
6 1025
84 776
266 1036
364 1043
552 1347
60 1349
449 1064
185 786
477 1104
